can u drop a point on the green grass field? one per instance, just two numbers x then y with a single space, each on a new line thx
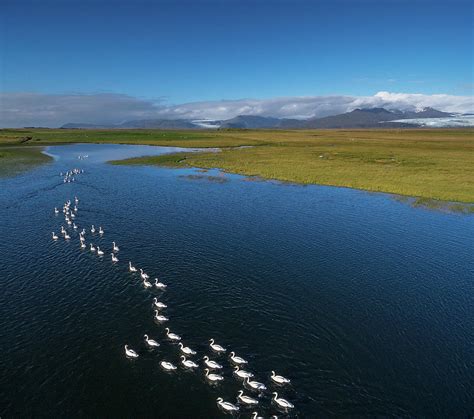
15 160
433 164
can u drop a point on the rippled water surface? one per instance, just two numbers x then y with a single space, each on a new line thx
364 302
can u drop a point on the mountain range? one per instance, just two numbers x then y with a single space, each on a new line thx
358 118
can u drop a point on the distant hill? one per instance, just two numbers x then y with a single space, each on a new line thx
358 118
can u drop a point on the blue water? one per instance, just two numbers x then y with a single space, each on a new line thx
364 302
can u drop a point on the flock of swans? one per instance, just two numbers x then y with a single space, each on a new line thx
212 368
69 176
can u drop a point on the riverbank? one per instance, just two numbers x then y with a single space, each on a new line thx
14 160
433 164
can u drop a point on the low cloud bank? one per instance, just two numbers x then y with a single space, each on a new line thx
53 110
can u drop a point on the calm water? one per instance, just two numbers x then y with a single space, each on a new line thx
364 302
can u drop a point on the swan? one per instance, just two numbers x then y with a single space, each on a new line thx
130 352
151 342
186 349
101 231
74 226
147 284
92 229
99 252
115 247
131 268
67 236
72 216
255 416
213 377
172 336
188 363
159 284
229 407
256 385
212 364
279 379
83 231
246 399
215 346
143 274
56 211
158 304
75 208
114 258
237 359
92 248
160 317
167 365
69 222
241 373
285 404
83 245
55 237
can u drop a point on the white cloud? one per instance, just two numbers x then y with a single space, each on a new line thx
36 109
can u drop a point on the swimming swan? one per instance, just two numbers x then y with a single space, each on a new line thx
279 379
256 385
151 342
130 352
158 304
186 349
172 336
285 404
241 373
229 407
188 363
237 359
215 346
212 364
213 377
246 399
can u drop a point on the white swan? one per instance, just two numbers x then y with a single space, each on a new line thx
212 364
92 248
247 399
160 317
130 352
131 268
143 274
285 404
83 245
229 407
55 237
256 385
115 247
92 229
237 359
215 346
69 222
158 304
167 365
151 342
147 284
241 373
101 231
73 216
213 377
74 226
56 211
114 258
67 236
99 252
186 349
279 379
172 336
188 363
159 284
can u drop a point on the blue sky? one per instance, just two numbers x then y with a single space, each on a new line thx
187 51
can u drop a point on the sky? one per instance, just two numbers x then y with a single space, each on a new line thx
223 56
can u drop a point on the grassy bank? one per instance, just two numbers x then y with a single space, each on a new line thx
14 160
434 164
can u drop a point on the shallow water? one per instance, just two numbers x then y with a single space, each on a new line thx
363 301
